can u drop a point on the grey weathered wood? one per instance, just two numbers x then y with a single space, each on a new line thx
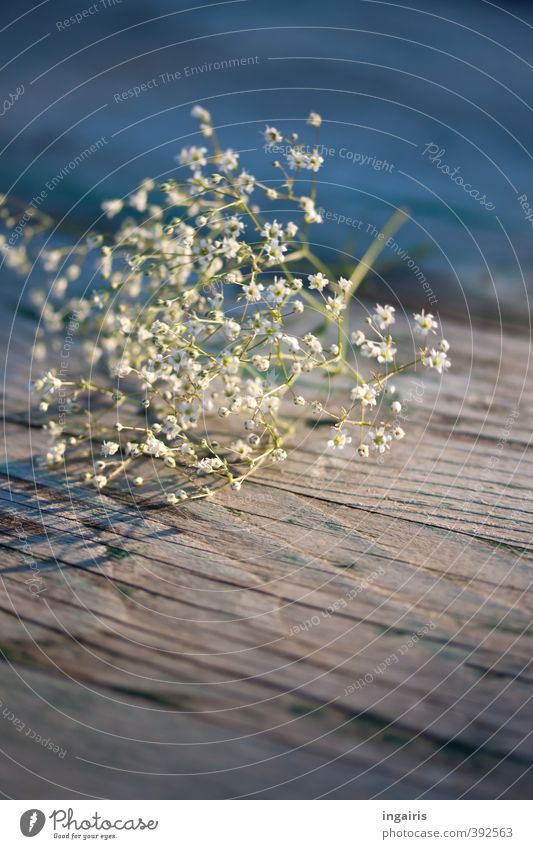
185 628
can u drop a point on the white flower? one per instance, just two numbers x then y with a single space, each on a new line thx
112 207
444 345
121 370
55 454
364 393
139 200
297 158
313 343
278 455
154 447
261 363
99 481
240 448
274 251
314 161
252 292
50 382
272 135
290 230
425 323
314 120
230 247
292 343
201 114
335 305
51 259
379 440
318 281
396 407
231 329
384 316
343 284
109 448
312 216
398 432
194 157
385 351
358 337
228 160
208 465
339 439
369 348
272 230
437 360
277 292
245 183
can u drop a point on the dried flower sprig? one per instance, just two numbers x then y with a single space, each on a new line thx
200 317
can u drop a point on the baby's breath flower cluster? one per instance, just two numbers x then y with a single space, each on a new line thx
211 309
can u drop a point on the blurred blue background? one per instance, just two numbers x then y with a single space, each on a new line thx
389 79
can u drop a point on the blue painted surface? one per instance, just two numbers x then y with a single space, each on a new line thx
388 80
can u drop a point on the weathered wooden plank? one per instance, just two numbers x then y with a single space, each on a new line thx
248 623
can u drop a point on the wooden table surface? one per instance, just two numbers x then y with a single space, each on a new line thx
336 629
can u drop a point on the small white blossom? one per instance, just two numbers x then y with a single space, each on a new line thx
379 440
112 207
228 160
314 120
154 447
318 281
110 448
385 351
335 305
314 161
339 439
437 360
201 114
292 343
252 292
358 338
424 323
240 448
272 135
384 316
194 157
364 393
297 158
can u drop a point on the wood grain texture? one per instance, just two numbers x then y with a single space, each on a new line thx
261 644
